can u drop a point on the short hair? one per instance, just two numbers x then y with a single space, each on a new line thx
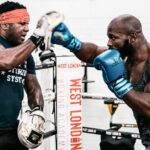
132 23
128 22
9 5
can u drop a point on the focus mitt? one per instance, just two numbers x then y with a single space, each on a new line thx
31 128
45 26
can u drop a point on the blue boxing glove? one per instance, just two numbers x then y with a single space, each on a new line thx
112 67
62 36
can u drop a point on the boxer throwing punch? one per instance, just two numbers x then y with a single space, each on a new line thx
124 64
17 70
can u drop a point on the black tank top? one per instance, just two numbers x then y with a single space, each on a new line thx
142 122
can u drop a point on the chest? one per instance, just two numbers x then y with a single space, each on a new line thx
135 72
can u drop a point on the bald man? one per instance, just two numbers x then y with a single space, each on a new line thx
126 36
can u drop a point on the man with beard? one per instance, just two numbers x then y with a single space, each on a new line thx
129 82
17 72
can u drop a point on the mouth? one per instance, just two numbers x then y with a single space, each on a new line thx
23 37
112 48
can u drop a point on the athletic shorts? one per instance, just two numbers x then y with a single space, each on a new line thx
144 129
9 140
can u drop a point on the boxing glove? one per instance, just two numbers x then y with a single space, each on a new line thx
62 36
112 67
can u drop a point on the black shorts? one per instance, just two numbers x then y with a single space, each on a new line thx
9 140
109 143
144 129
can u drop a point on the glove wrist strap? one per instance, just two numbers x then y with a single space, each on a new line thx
74 45
37 40
121 87
37 108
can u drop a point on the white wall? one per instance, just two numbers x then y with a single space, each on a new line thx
88 20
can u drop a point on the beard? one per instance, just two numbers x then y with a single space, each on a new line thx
126 50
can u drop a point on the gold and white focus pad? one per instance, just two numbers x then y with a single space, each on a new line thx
31 128
46 24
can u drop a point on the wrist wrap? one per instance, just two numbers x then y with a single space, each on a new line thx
37 40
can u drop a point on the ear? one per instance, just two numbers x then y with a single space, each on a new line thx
132 37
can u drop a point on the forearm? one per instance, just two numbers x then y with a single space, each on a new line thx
138 101
12 57
34 92
35 98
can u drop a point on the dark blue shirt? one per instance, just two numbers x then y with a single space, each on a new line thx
12 89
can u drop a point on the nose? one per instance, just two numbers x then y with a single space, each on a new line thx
109 43
26 27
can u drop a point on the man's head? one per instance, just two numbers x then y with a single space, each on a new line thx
14 20
8 6
123 32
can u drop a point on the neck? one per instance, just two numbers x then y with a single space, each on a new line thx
141 51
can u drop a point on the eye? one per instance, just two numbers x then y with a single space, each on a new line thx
23 23
112 37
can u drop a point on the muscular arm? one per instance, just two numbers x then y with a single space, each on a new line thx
139 101
33 91
12 57
84 51
89 51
